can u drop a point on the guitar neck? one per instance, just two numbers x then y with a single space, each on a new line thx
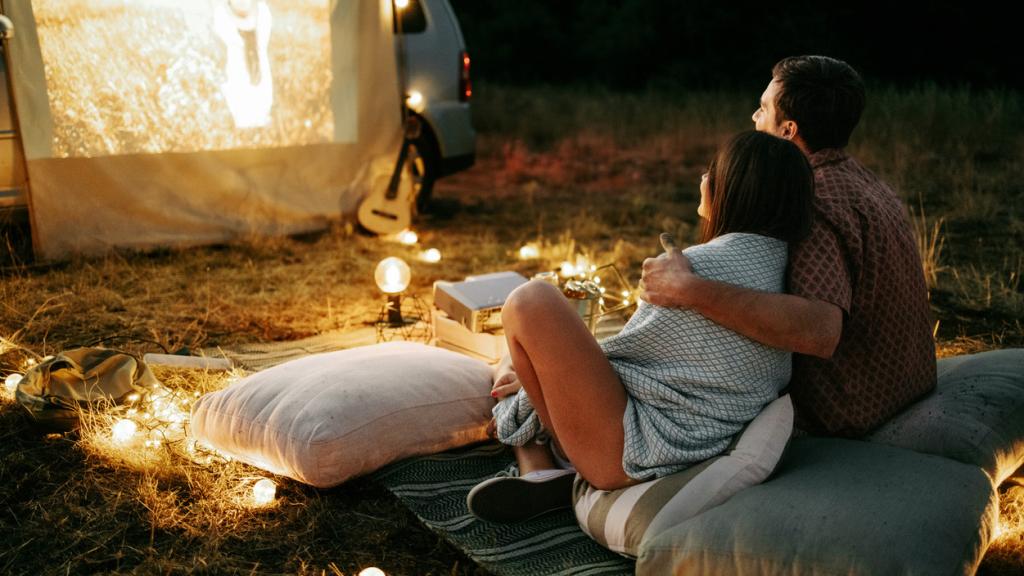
396 174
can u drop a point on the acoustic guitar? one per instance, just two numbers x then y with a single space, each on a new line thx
390 205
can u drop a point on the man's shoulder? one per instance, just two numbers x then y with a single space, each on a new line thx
842 184
836 170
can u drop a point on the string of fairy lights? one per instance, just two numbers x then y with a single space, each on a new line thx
158 418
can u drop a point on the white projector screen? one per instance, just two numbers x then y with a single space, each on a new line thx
153 76
150 123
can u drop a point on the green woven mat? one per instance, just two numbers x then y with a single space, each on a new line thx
435 487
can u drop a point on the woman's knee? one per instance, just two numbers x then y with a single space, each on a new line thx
534 297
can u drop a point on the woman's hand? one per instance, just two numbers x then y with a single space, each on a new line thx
506 382
506 385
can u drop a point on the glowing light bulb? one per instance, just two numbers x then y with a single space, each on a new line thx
372 571
11 382
567 269
263 492
407 237
401 4
529 252
392 275
414 101
432 255
123 431
625 293
31 362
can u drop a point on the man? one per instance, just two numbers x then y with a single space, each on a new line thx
857 313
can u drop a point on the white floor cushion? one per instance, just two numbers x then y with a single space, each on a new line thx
326 418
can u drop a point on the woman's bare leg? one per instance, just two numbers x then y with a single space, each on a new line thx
573 387
533 457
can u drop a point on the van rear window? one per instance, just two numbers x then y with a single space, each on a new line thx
413 19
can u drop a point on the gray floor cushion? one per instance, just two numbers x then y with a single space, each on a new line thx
839 507
975 415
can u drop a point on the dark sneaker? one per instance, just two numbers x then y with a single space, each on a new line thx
517 498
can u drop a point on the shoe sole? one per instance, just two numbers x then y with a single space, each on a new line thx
514 499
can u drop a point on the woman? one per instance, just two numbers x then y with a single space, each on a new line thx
673 388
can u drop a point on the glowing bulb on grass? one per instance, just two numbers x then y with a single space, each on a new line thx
407 237
372 571
12 381
567 269
401 4
432 255
529 252
123 431
263 492
392 275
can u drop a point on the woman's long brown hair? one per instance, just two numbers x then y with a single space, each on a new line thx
760 184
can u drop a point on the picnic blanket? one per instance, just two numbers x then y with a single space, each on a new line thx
260 356
434 487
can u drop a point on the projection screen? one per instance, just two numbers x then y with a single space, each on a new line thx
175 122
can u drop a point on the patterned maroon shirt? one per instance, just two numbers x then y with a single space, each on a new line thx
861 256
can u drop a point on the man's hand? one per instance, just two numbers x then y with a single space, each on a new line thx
665 280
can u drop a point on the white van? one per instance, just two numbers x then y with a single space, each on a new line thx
432 53
438 70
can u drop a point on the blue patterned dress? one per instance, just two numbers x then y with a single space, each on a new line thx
691 384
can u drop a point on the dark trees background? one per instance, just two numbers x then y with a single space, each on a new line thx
630 44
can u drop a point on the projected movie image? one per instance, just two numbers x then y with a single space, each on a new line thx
153 76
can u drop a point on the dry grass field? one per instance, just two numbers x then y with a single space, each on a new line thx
579 173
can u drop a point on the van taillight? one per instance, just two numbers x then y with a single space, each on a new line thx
465 84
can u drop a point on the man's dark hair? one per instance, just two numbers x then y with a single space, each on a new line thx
760 184
824 96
